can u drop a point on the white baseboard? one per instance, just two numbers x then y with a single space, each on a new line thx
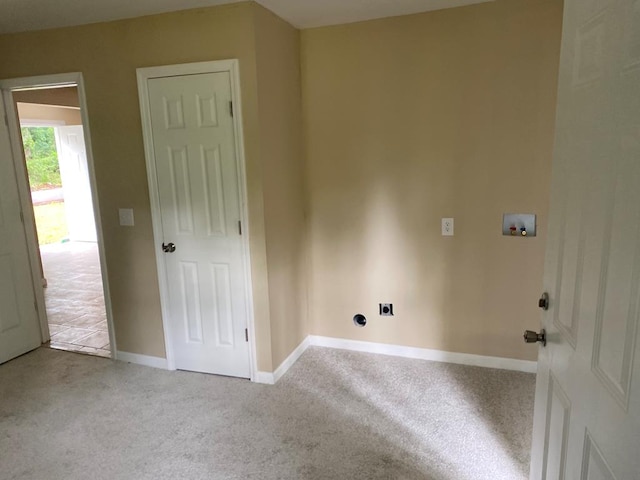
425 354
145 360
272 378
291 359
269 378
264 377
395 350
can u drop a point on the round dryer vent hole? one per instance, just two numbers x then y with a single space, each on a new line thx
359 320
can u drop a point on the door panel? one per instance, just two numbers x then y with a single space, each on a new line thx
588 388
594 466
74 171
19 324
197 175
558 416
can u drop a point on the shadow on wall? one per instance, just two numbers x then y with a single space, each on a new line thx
412 119
376 238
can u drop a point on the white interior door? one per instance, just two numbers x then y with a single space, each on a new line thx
587 412
74 172
197 176
19 324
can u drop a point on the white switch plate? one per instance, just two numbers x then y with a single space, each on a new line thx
126 217
447 227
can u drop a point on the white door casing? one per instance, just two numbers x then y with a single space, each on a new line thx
74 172
195 172
7 86
19 324
587 410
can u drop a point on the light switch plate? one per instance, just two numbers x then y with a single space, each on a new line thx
447 227
126 217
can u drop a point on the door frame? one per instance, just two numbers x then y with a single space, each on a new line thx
7 87
144 75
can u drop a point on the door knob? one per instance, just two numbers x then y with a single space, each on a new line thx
543 302
533 337
168 248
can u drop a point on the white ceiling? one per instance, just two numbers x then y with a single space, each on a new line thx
318 13
25 15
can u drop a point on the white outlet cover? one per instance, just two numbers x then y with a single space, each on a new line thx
447 227
126 217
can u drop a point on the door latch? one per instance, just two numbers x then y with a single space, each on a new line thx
543 302
533 337
168 248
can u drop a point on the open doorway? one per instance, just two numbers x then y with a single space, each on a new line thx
56 164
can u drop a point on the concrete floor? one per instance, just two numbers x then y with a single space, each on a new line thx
75 299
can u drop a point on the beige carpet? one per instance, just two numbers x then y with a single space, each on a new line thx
335 415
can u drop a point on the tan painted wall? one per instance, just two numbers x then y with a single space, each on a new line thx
279 105
35 111
406 120
410 119
108 54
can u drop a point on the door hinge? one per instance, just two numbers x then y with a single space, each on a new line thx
246 334
231 108
35 304
6 121
22 217
239 227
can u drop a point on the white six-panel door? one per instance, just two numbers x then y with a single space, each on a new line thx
196 166
74 171
587 412
19 325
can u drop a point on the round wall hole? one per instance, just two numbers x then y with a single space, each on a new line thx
359 320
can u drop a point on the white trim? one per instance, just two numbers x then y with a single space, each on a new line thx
143 75
156 219
58 80
54 81
269 378
425 354
397 351
146 360
51 105
291 359
264 377
41 123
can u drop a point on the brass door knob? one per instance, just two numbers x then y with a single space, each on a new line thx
532 337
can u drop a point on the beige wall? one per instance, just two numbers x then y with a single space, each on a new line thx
406 120
108 54
279 105
411 119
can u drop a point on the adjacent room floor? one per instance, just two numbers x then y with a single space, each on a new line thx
334 415
75 298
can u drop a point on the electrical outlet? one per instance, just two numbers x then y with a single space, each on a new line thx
447 227
386 309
